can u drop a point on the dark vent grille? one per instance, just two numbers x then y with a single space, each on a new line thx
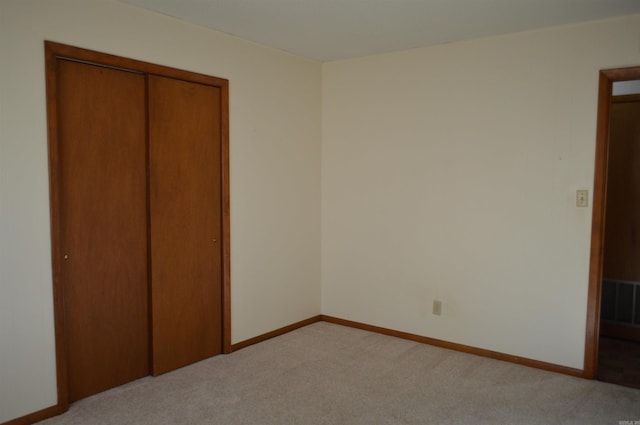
621 302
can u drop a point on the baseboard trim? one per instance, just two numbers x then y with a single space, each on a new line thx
457 347
38 416
244 344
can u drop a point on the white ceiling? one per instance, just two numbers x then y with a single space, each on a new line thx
326 30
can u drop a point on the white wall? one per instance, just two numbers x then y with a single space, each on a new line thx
450 172
275 101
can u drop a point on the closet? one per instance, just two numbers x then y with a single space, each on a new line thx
138 159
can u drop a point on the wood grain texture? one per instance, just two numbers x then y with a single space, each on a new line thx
186 222
53 53
454 346
102 129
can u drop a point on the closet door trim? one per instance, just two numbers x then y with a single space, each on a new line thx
56 51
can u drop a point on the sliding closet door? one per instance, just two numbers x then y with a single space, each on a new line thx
185 206
103 231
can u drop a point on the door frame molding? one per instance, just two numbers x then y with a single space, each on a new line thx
55 51
606 79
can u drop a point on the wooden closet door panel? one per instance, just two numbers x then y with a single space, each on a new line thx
185 210
102 181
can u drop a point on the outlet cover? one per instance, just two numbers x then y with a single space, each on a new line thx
437 307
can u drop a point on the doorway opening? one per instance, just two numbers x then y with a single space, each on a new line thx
610 308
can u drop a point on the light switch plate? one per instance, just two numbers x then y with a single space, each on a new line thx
582 198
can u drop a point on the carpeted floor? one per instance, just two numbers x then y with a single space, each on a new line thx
330 374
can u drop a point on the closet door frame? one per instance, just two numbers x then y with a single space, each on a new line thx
57 51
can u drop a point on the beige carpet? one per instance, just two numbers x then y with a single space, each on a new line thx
330 374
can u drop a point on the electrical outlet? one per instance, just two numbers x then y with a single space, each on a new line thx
437 307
